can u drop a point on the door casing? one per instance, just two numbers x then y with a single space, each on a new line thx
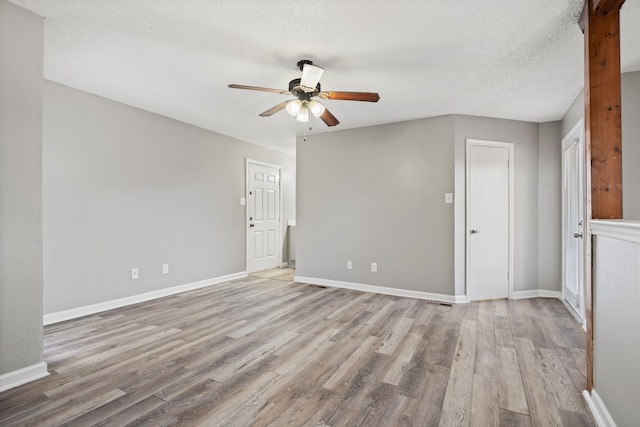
510 148
576 133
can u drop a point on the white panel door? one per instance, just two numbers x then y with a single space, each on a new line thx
573 222
488 221
263 217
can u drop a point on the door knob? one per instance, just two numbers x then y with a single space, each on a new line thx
577 235
475 231
252 225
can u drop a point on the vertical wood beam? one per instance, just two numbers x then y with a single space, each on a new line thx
603 112
600 22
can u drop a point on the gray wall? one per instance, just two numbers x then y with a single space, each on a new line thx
126 188
573 114
550 207
616 311
21 48
630 138
631 145
377 195
524 135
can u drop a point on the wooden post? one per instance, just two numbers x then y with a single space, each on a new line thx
603 107
600 22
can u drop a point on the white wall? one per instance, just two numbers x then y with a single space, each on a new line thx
616 311
126 188
21 48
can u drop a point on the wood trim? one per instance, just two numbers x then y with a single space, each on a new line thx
603 136
603 114
406 293
22 376
600 7
622 230
87 310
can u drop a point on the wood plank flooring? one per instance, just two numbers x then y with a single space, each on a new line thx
264 350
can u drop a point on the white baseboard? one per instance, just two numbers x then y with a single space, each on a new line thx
536 293
449 299
74 313
598 410
23 376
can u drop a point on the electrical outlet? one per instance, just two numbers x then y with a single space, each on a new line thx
374 267
165 268
448 197
349 265
134 274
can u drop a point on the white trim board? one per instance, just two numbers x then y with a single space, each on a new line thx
536 293
620 229
449 299
598 410
74 313
22 376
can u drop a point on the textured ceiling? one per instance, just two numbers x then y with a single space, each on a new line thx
513 59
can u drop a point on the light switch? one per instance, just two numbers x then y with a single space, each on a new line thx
243 201
448 197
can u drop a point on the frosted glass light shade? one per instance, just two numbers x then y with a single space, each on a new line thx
316 108
303 114
293 107
310 77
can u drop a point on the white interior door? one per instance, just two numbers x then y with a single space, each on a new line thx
263 216
573 221
489 221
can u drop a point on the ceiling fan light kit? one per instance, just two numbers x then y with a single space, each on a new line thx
305 88
293 106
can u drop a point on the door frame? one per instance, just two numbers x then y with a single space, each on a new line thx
510 148
249 161
577 132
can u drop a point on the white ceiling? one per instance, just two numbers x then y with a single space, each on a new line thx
513 59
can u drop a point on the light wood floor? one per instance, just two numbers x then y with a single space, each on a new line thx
267 351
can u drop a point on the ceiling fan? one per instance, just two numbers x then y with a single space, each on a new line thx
306 88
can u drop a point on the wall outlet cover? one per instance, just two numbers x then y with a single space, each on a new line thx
134 274
448 197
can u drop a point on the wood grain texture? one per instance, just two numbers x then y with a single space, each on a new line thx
264 350
603 107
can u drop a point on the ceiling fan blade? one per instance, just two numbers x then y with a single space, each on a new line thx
328 118
275 109
262 89
351 96
310 77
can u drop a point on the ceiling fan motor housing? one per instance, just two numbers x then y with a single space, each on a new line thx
302 62
296 90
